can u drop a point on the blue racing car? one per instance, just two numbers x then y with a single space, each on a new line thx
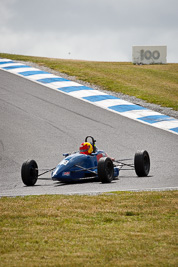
89 161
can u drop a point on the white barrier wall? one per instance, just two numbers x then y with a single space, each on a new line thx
149 54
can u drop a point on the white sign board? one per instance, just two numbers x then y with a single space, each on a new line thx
149 54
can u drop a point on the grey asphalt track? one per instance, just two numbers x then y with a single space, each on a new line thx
39 123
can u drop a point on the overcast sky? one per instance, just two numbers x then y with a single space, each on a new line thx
103 30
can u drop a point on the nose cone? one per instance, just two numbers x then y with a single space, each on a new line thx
67 169
62 172
57 173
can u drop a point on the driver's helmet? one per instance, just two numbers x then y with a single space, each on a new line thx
86 148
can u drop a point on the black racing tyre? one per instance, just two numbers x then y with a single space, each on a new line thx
142 163
29 172
105 170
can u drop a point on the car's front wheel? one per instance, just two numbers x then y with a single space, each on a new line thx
29 172
105 170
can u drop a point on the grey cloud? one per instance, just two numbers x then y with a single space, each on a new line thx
89 29
91 15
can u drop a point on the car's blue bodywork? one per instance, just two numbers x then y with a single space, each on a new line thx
76 166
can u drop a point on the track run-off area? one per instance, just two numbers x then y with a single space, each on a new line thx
42 124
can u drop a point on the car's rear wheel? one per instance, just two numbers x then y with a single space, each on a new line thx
105 170
29 172
142 163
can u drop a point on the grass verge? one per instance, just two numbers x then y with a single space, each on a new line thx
119 229
156 84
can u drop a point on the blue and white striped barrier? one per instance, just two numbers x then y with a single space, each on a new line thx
93 96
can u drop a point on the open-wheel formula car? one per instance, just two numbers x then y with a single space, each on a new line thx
88 162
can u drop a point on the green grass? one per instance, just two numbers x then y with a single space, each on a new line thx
156 84
119 229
